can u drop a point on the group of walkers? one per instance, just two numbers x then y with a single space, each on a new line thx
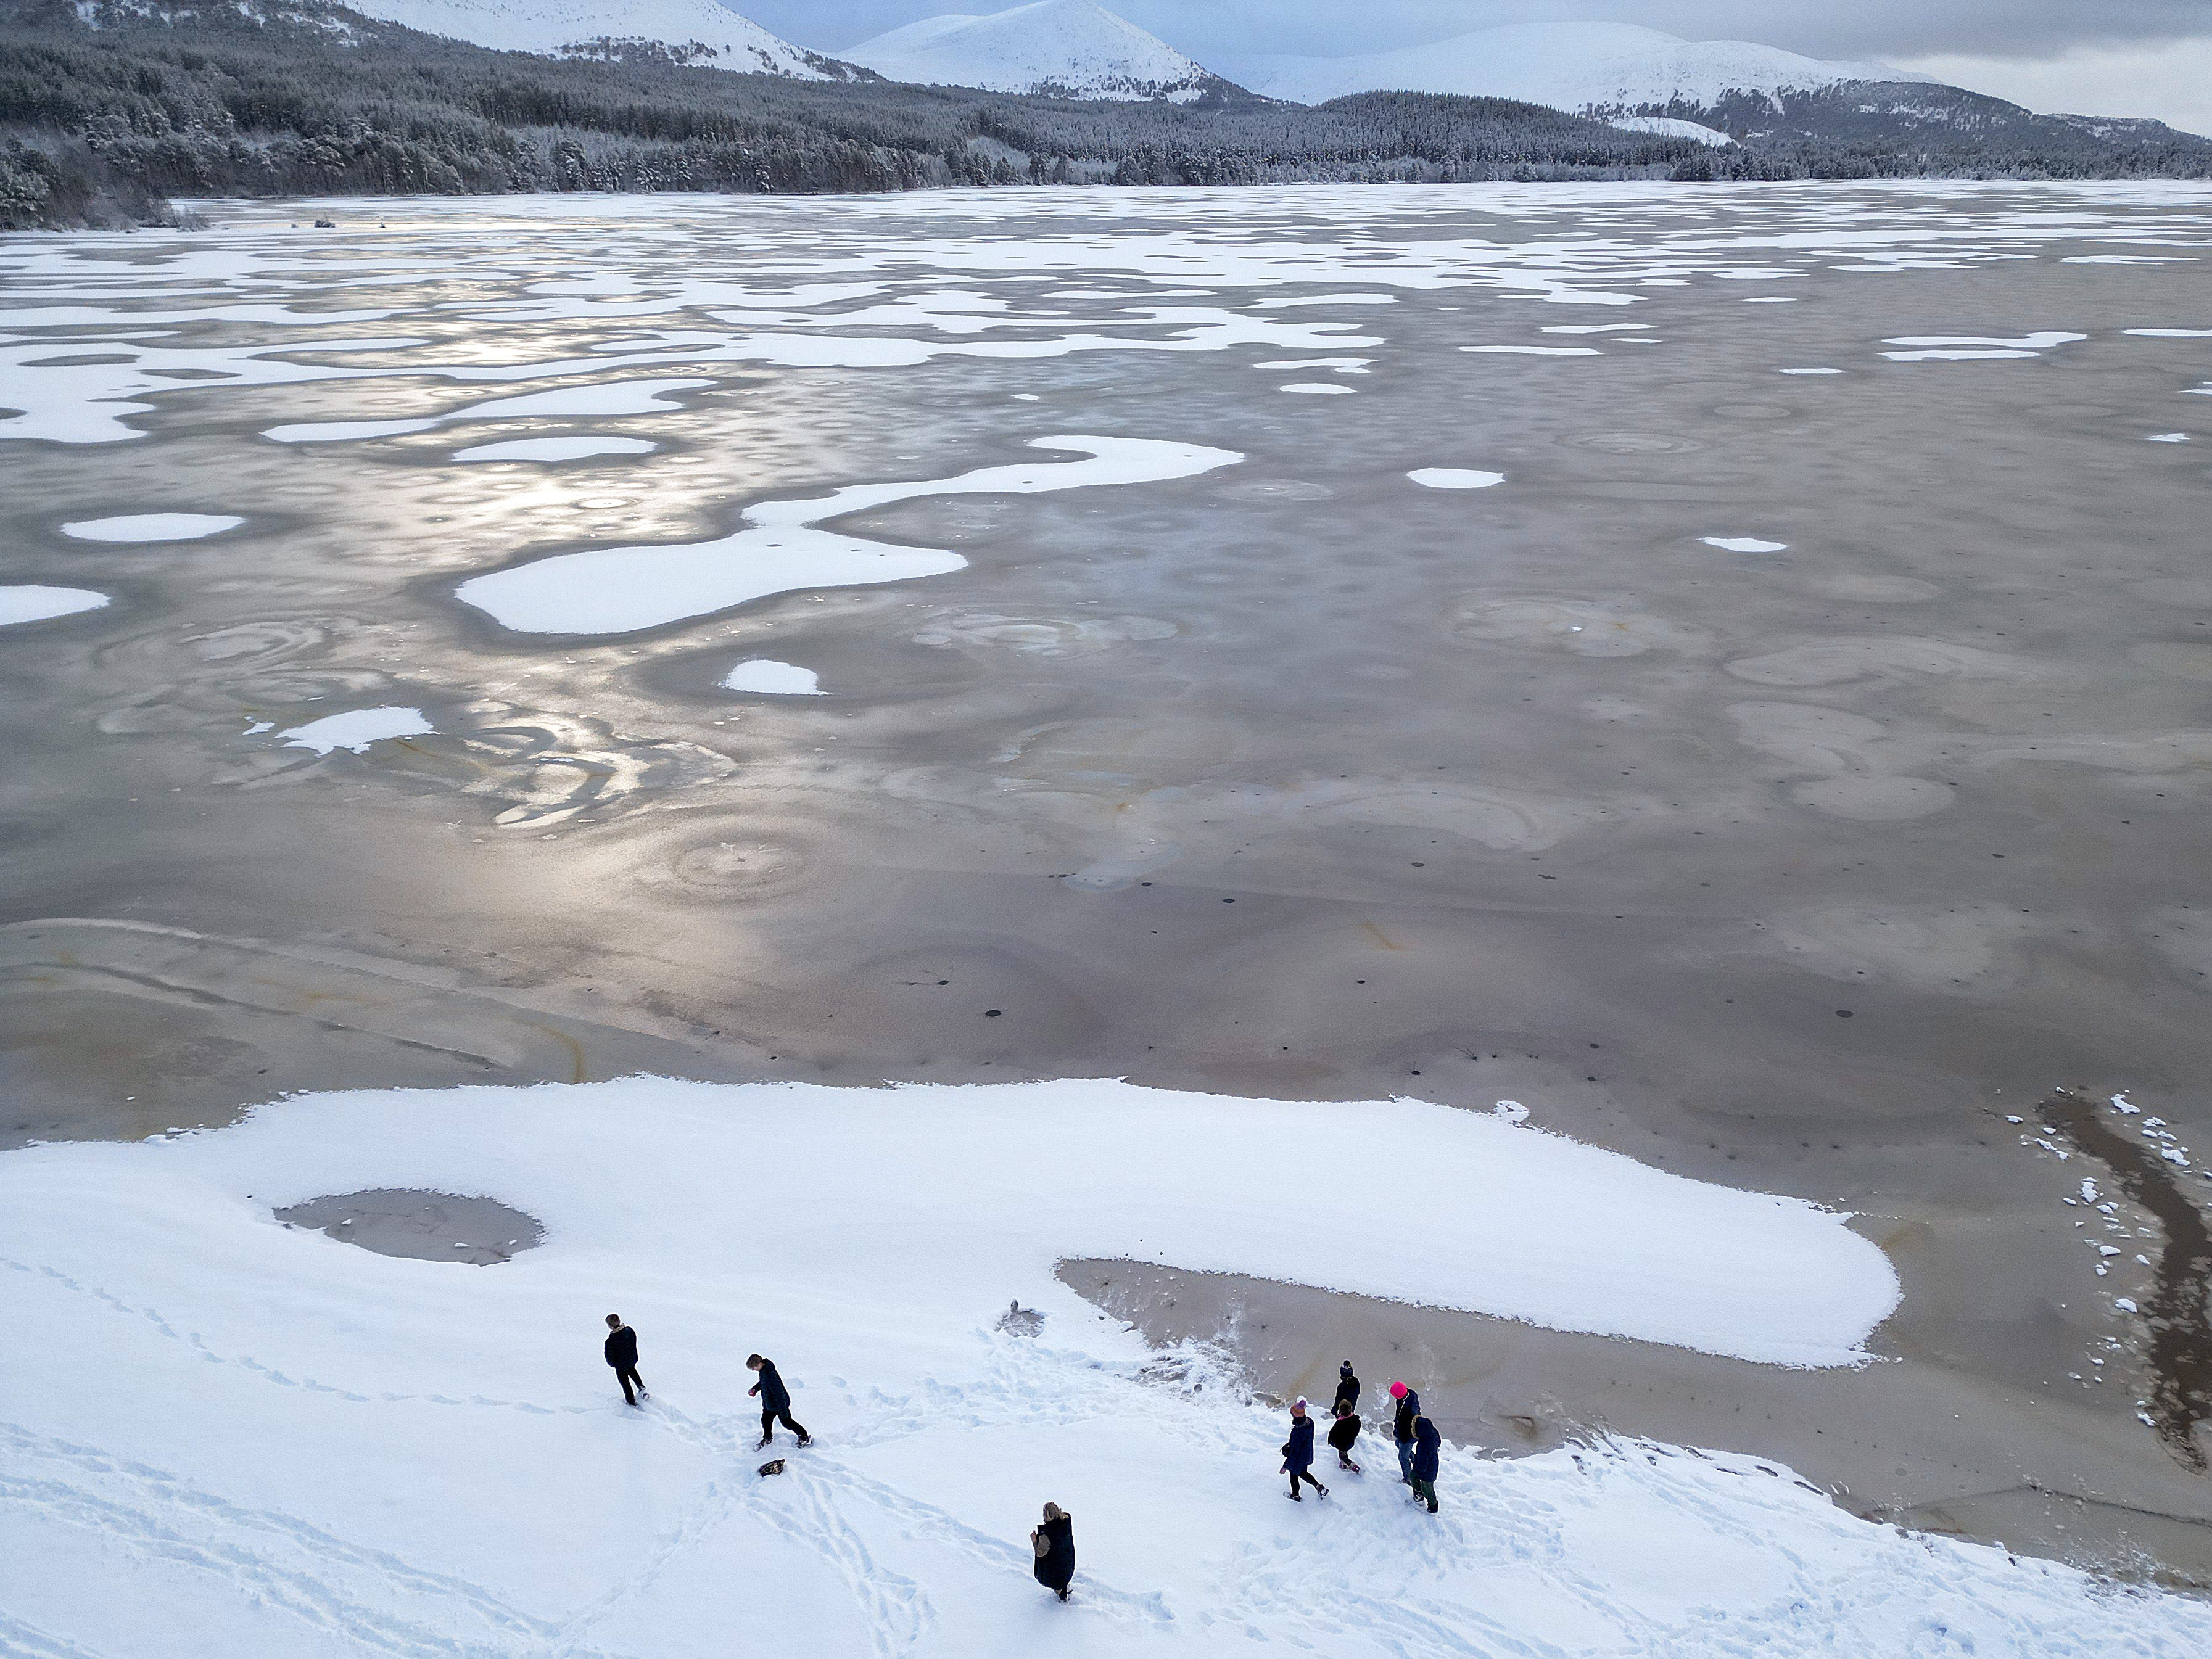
1418 1442
1053 1540
621 1351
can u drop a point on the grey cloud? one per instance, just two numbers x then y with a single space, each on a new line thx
1825 29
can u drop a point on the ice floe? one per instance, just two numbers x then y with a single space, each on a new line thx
1317 389
622 590
357 729
556 449
1810 371
350 1441
780 679
1454 478
35 602
1537 350
152 527
1742 544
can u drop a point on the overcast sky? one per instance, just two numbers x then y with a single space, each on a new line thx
2096 56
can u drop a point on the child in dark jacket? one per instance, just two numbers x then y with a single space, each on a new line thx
1427 1442
1342 1433
1298 1453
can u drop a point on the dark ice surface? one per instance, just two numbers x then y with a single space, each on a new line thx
1806 871
425 1226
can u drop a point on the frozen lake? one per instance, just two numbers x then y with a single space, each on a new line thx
1726 667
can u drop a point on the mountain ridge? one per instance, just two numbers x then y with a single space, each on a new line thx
1050 48
1583 68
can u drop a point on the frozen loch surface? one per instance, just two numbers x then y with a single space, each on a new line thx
160 1270
920 638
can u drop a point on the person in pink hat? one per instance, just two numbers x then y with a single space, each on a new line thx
1407 1411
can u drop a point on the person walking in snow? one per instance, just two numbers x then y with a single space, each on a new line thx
621 1351
1342 1433
1427 1444
1401 1428
1347 1389
1054 1541
776 1402
1297 1452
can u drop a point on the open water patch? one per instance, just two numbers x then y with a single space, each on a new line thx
421 1225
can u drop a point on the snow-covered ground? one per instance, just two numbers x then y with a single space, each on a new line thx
1570 66
1069 48
234 1437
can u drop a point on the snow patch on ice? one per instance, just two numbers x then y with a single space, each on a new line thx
1537 350
556 449
35 602
1454 478
152 527
1317 389
357 729
781 679
2169 437
604 398
1742 544
622 590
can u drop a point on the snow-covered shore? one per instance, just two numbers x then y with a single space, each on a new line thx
239 1437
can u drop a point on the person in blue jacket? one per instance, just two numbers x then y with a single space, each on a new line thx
1427 1444
1297 1452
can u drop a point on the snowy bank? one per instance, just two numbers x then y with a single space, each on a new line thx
242 1437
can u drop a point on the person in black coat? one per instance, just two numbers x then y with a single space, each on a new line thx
1427 1444
776 1402
1298 1453
621 1351
1347 1388
1054 1544
1342 1433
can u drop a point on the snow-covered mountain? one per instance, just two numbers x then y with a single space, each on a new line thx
697 32
1598 67
1063 48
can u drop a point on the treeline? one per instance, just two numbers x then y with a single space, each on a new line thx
1905 128
299 97
310 99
